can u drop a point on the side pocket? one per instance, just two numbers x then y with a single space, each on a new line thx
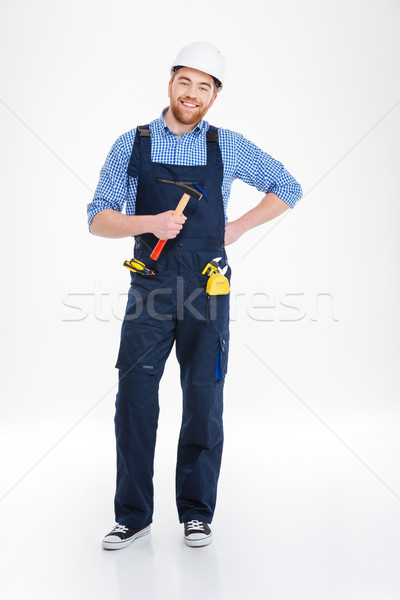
139 352
221 366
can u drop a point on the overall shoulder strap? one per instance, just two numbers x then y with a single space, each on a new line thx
212 134
213 149
143 131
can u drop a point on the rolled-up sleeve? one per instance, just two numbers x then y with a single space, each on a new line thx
112 188
259 169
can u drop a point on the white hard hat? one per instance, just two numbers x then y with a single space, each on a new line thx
204 57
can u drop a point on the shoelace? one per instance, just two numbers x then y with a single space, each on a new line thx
195 525
120 528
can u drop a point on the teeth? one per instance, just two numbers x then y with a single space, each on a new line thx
189 104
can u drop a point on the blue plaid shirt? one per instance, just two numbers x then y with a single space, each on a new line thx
241 159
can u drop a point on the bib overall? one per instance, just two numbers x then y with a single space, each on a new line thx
173 306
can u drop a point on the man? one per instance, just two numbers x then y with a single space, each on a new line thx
148 168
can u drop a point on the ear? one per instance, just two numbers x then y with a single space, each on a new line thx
213 100
169 88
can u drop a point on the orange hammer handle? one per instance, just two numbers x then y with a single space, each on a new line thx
157 250
177 213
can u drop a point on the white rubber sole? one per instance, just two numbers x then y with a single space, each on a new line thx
198 543
124 543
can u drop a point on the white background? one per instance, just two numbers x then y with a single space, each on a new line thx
309 492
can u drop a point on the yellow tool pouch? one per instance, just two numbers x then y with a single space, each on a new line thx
217 285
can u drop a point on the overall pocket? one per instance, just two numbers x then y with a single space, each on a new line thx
221 366
139 351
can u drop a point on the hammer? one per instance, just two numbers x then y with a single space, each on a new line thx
188 192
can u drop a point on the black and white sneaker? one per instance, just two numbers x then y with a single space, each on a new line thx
197 533
122 536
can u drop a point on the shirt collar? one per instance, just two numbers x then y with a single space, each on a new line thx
162 126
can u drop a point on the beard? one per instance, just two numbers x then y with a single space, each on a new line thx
187 116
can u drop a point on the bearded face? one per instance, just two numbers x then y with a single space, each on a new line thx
191 95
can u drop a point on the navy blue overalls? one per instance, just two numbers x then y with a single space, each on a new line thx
173 306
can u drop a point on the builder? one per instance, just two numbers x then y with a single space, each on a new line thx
146 171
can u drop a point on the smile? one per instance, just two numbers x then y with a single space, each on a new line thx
189 104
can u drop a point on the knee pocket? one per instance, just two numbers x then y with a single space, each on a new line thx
139 352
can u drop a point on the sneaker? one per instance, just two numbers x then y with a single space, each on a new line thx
122 536
197 533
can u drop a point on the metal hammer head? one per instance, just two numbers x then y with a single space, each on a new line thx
188 189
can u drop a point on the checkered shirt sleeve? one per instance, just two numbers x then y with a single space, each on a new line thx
260 170
115 188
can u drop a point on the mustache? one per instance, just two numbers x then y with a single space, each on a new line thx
191 100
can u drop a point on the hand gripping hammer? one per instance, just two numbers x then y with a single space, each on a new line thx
189 192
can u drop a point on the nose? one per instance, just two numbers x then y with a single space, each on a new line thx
190 91
191 94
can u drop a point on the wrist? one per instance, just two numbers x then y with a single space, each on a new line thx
240 225
142 224
147 224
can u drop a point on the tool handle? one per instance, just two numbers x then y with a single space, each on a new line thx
181 205
157 250
177 213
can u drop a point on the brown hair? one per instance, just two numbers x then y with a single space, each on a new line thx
217 83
